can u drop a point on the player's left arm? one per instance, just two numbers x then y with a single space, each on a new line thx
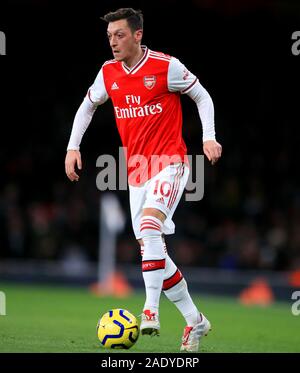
211 148
182 80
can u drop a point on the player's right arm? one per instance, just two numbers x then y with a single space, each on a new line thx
96 95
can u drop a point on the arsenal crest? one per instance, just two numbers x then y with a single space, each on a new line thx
149 81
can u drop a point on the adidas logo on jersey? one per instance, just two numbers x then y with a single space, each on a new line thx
160 200
114 86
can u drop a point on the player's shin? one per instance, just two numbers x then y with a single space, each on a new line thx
153 261
176 290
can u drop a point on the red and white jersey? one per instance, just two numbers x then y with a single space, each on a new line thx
147 107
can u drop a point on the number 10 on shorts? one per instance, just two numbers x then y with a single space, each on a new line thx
163 188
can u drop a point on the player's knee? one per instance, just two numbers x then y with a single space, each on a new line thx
150 230
150 227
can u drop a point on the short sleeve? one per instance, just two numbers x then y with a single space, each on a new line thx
180 79
97 92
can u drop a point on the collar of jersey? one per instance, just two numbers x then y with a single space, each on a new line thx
139 64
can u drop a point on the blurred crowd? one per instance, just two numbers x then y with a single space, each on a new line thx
245 221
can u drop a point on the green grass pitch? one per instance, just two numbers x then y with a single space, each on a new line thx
60 319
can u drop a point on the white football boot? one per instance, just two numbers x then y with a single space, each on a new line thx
193 334
150 323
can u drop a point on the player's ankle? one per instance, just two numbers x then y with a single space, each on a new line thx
152 309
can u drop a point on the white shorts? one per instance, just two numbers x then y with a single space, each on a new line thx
162 192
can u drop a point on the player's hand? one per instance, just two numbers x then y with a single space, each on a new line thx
213 150
73 157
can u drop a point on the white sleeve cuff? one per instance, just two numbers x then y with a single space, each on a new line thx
180 79
97 92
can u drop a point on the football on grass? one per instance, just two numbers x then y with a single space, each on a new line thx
118 328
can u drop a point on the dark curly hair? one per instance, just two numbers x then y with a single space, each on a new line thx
134 18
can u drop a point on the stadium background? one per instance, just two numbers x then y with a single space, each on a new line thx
243 238
241 51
